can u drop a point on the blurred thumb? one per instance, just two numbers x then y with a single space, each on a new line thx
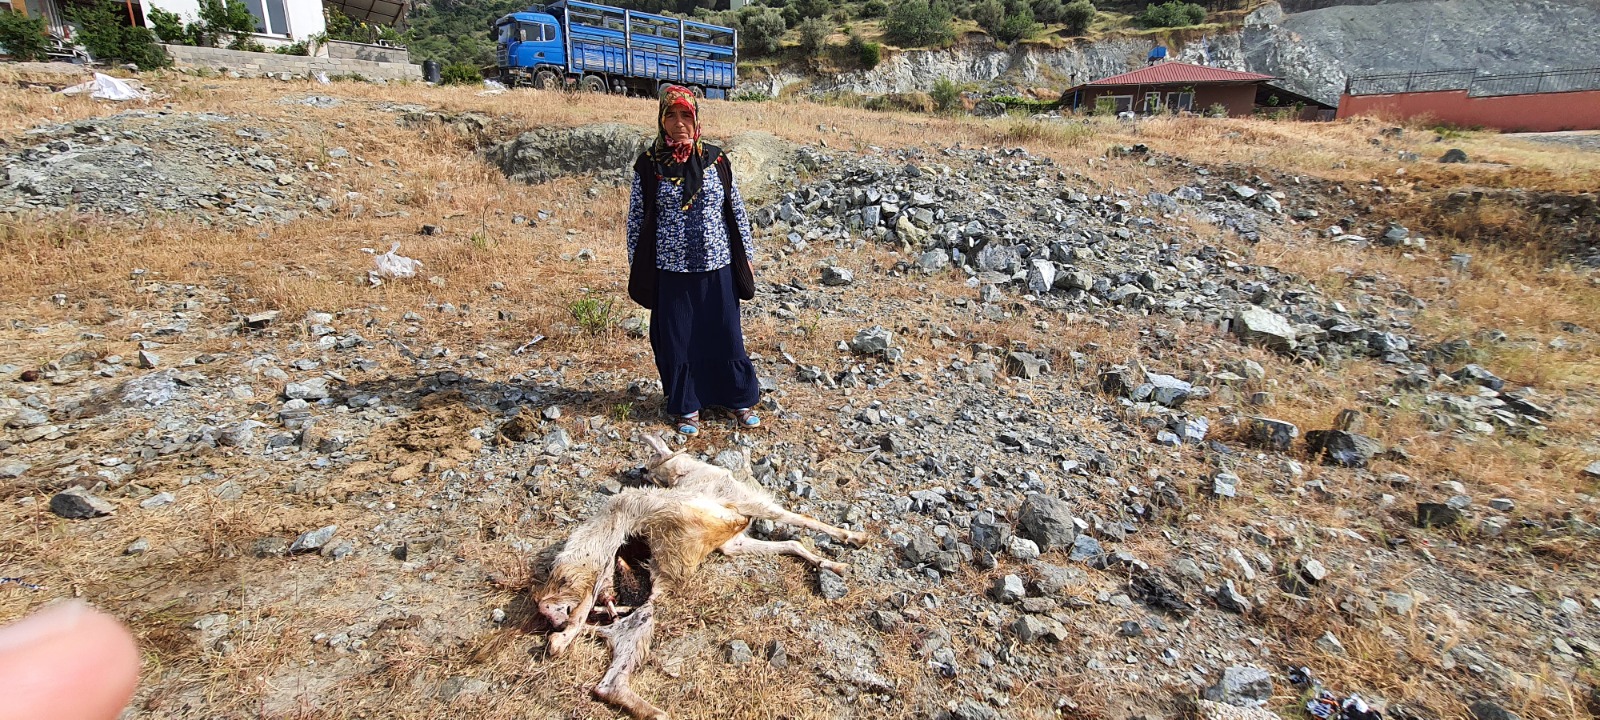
66 662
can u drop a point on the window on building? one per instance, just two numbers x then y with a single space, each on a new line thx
271 18
1152 103
1180 101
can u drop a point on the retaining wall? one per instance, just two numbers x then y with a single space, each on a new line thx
254 63
1534 112
342 50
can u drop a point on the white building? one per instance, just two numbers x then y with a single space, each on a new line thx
277 21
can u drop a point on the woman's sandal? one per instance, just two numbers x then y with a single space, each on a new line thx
689 424
748 417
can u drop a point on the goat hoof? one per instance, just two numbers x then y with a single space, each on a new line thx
856 538
835 568
558 644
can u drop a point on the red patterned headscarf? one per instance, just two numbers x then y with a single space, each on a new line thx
681 163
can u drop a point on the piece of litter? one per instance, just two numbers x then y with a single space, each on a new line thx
18 581
535 341
105 87
392 265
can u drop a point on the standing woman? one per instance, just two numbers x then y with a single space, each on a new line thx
688 255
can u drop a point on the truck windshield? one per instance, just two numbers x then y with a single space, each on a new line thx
508 32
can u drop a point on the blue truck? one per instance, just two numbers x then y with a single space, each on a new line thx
598 48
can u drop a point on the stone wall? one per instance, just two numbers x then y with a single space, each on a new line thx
341 50
253 63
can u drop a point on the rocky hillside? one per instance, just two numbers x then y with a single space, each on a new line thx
1143 420
1314 51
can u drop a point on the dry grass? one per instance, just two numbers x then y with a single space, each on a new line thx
436 179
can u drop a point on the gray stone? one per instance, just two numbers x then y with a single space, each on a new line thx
739 653
13 469
872 341
158 500
1454 156
77 504
1242 686
313 540
1342 448
1075 280
1351 421
1263 327
558 441
968 710
1312 570
1034 628
1228 598
777 655
884 620
1329 643
837 276
1024 365
1476 374
310 390
1225 484
1047 521
1054 578
1022 549
1272 434
1008 589
27 418
228 490
137 547
1593 470
1503 504
1169 391
933 261
1041 276
1436 514
1085 549
1399 603
830 585
1486 710
149 360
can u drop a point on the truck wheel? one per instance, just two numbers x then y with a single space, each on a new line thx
594 84
546 80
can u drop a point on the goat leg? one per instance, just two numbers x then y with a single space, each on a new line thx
778 514
629 638
744 544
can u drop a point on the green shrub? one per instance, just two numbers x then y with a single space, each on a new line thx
814 34
228 21
595 316
1173 13
761 29
1078 15
874 9
1016 26
169 27
866 54
460 74
946 95
22 37
298 48
988 14
752 95
107 37
918 22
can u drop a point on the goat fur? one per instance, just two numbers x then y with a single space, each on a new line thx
699 509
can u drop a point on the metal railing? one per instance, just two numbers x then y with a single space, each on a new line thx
1424 81
1476 85
1554 81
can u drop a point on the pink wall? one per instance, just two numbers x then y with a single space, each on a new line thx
1543 112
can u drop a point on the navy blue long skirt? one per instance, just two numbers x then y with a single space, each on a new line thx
699 345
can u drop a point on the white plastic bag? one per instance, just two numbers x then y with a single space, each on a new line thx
492 87
322 78
394 265
105 87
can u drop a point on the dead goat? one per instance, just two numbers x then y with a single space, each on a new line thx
648 542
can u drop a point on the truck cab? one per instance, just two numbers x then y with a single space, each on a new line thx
527 40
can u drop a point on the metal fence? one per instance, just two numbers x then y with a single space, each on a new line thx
1554 81
1426 81
1476 85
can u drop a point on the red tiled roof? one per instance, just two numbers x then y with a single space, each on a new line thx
1176 72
